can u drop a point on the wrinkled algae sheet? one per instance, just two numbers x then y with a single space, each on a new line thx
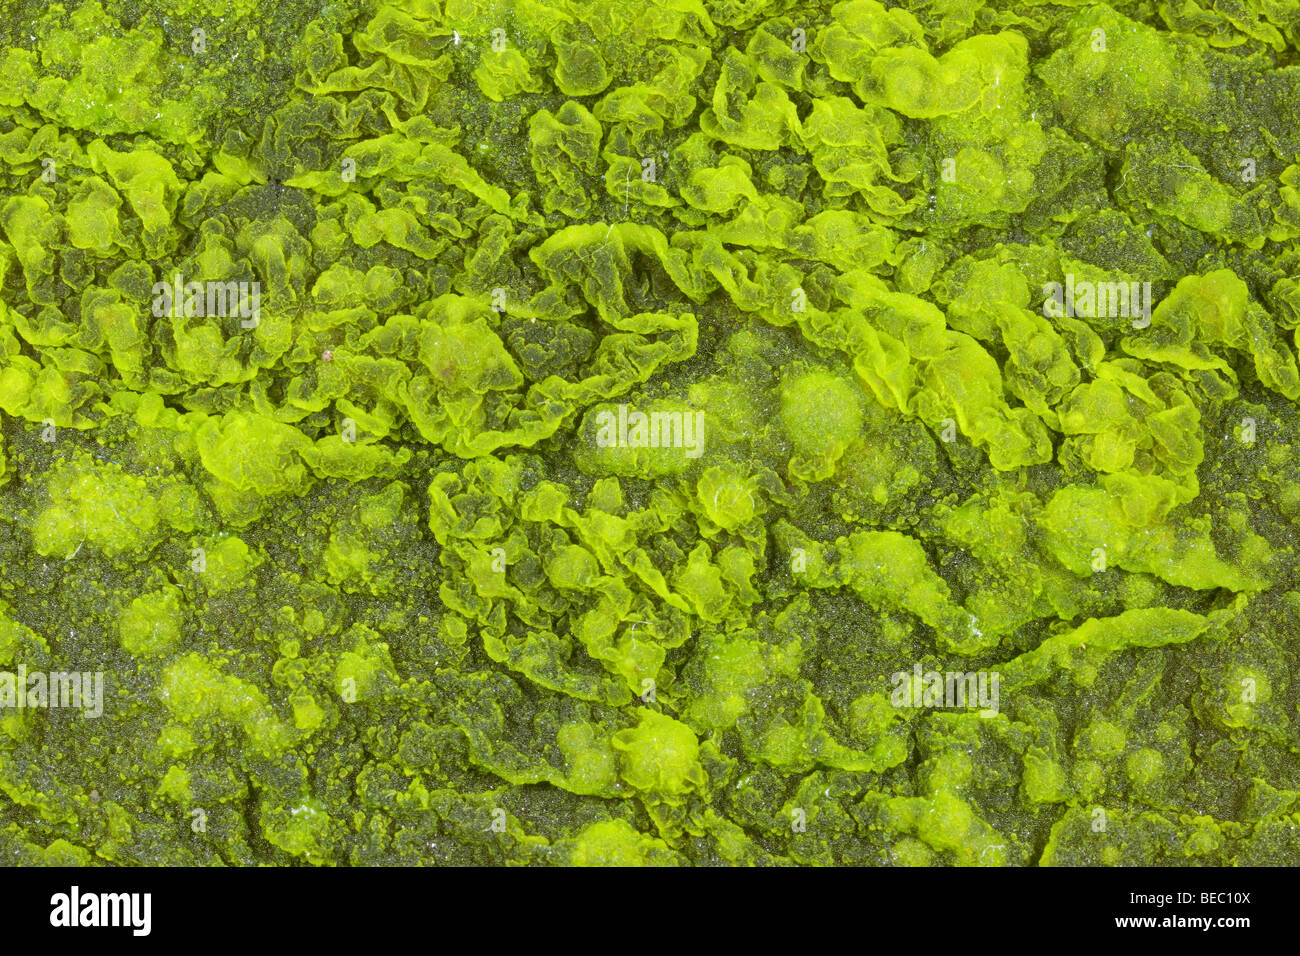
649 432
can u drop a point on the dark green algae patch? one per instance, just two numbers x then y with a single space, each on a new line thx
364 586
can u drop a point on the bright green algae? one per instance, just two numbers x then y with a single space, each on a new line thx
365 585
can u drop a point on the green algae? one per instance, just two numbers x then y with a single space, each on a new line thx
367 581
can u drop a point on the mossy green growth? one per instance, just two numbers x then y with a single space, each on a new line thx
600 433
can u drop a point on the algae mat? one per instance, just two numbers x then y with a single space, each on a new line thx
664 432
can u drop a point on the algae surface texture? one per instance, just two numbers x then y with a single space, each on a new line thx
649 432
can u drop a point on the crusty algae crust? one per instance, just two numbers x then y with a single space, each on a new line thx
366 588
